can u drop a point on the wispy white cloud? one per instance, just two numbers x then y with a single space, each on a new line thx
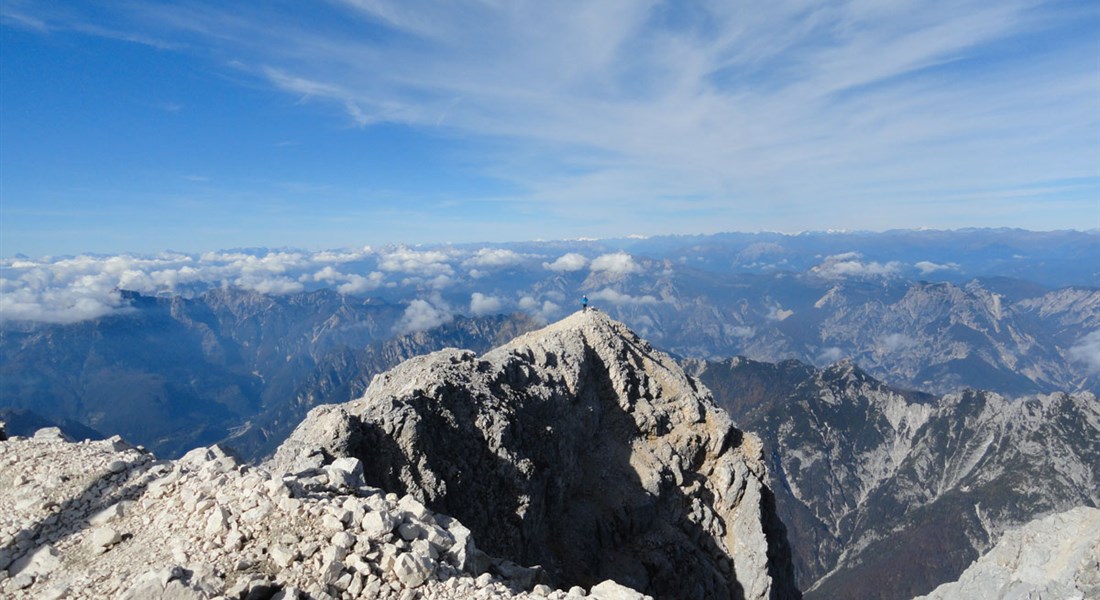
926 267
778 115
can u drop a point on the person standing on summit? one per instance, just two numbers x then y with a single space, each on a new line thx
584 303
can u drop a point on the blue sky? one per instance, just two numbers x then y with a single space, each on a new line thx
143 126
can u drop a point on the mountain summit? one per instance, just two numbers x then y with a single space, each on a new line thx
578 448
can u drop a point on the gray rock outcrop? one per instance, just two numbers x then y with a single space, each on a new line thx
578 448
91 520
1057 556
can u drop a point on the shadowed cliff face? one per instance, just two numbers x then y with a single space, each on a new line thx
578 448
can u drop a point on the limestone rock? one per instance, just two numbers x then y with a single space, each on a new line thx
1057 556
577 447
609 590
346 471
51 433
412 569
105 537
40 562
182 530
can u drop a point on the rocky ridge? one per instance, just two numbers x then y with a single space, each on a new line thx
104 519
578 448
872 481
1057 556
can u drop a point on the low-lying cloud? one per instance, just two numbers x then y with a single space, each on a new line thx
543 310
848 264
741 331
893 342
72 289
493 258
619 263
778 313
429 263
619 298
927 267
481 304
422 315
358 284
1087 352
567 263
829 355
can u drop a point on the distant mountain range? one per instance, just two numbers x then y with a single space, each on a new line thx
174 373
888 493
178 350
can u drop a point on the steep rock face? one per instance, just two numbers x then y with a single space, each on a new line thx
579 448
1057 556
890 493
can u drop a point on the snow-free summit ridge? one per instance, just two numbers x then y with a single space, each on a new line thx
578 448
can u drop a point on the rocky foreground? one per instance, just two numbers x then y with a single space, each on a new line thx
579 456
106 520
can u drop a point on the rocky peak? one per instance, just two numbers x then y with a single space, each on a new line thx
876 481
577 447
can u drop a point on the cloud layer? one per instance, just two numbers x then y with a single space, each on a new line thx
73 289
